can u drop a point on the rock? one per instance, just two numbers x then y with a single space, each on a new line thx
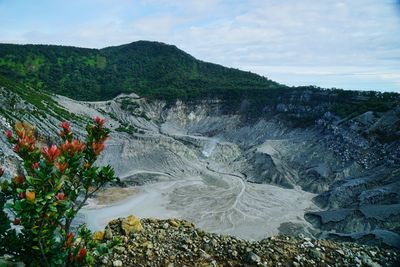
252 257
372 264
367 261
173 223
316 254
149 253
117 263
188 224
307 244
98 235
204 254
148 244
108 233
131 224
104 260
119 249
341 252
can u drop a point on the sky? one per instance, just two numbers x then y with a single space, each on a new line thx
349 44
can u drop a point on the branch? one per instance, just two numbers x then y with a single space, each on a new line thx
40 243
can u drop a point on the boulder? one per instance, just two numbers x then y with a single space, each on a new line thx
131 224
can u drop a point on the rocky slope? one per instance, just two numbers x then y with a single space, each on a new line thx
231 170
173 242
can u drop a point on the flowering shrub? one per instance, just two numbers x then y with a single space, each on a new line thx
44 200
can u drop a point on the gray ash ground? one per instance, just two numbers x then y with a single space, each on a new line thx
176 242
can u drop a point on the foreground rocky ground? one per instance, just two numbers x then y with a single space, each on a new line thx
153 242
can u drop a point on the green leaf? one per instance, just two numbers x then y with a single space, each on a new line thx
17 205
29 179
53 208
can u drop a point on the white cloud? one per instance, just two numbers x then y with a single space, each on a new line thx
296 42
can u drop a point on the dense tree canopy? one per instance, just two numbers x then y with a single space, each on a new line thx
150 69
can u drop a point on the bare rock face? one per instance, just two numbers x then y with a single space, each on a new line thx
229 172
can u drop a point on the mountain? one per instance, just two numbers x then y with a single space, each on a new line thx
250 158
158 71
150 69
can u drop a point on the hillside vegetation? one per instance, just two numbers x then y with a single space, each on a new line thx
147 68
158 71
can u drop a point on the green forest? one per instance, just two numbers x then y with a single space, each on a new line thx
156 70
150 69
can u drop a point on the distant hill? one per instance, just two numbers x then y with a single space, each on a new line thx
150 69
156 70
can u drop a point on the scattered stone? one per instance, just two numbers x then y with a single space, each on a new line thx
99 235
181 244
307 244
340 252
253 258
117 263
173 223
108 233
119 249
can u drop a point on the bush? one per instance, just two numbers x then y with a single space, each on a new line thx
44 200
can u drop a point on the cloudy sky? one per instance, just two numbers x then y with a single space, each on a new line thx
351 44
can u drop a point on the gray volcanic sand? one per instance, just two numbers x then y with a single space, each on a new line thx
214 199
177 170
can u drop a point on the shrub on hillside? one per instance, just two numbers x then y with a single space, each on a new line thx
44 200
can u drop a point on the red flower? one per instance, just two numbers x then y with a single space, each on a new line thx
9 134
51 153
25 139
21 195
82 253
62 166
72 147
66 126
100 122
27 142
68 243
16 221
66 129
60 196
24 130
78 145
1 171
97 148
35 165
